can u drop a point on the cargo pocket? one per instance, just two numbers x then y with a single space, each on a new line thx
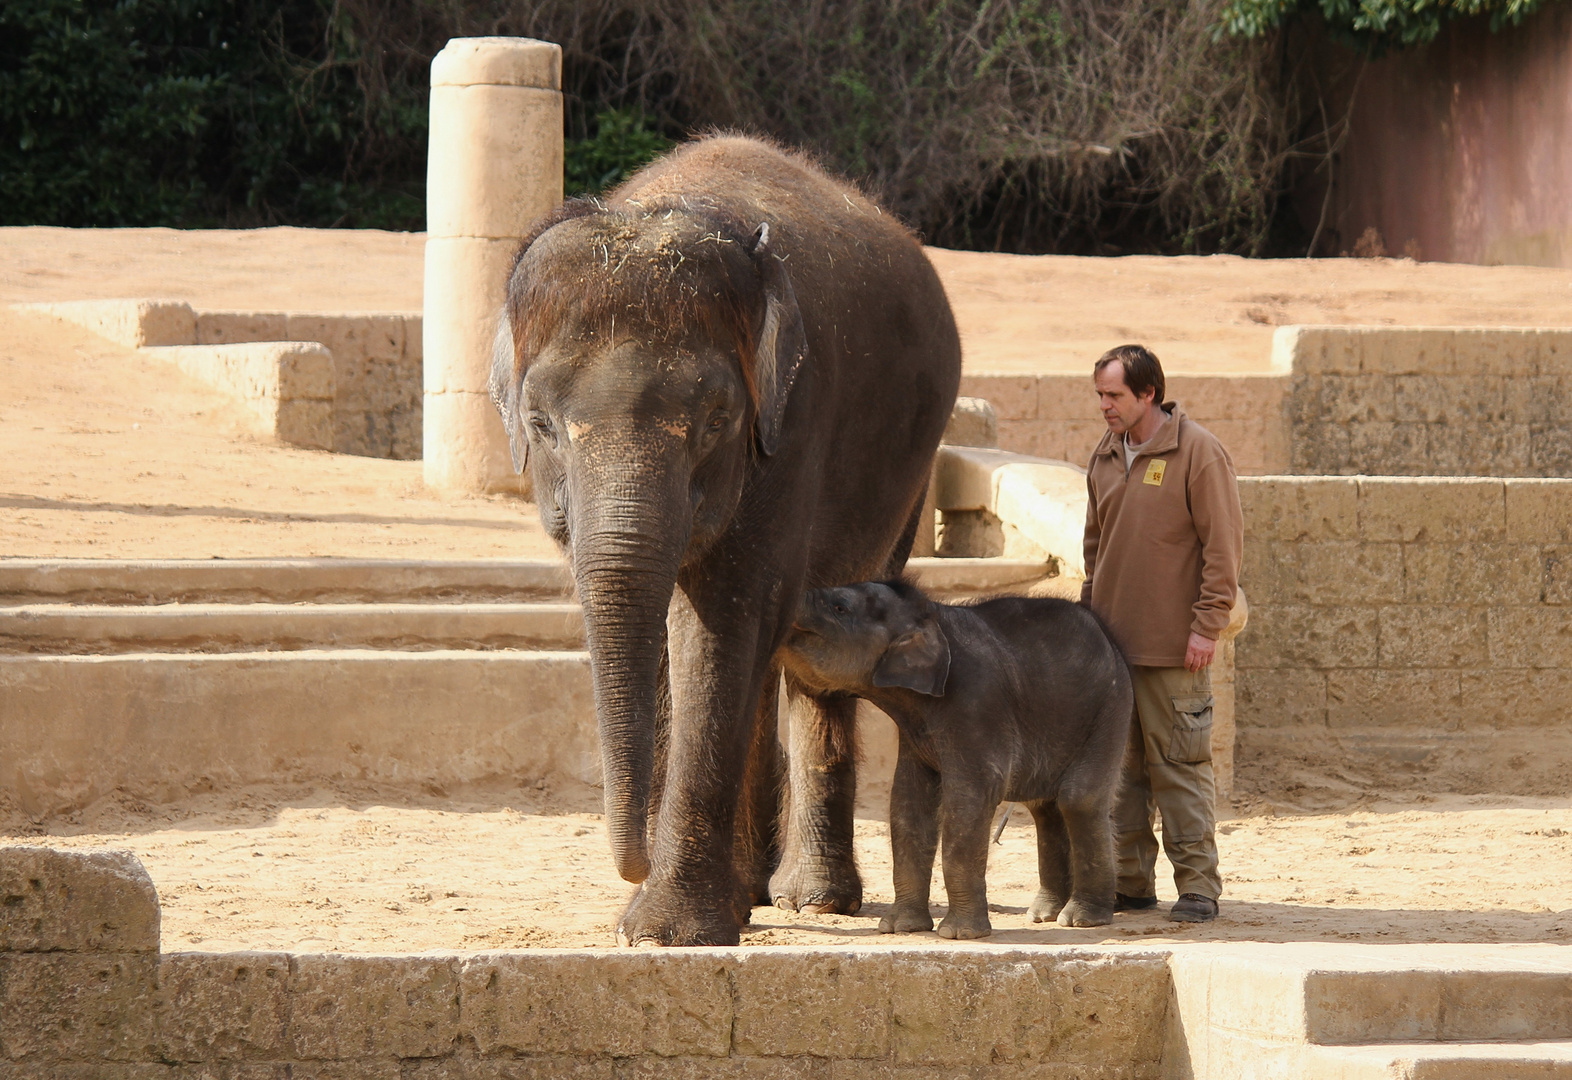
1191 743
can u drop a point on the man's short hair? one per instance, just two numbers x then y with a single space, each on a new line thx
1142 371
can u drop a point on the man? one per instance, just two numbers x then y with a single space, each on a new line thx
1164 534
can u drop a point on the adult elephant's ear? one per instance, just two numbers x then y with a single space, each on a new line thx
507 389
509 357
782 345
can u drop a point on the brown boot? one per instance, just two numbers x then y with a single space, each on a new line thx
1193 907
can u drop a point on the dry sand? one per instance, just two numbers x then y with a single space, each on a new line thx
109 454
364 871
112 455
1017 313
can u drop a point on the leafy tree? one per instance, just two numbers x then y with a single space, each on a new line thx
188 112
1374 26
623 141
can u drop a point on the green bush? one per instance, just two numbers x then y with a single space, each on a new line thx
623 141
1020 125
1373 26
193 112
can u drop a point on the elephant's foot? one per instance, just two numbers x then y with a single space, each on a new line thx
964 926
1082 912
1045 906
755 884
662 914
906 921
817 890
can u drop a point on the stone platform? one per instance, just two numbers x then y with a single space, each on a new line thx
155 678
85 991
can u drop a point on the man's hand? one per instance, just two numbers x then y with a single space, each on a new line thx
1198 653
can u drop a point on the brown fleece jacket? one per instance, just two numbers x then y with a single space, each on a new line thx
1163 543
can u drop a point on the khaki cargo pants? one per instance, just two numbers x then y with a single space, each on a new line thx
1168 769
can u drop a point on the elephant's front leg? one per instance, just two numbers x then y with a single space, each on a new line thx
817 871
759 813
691 896
965 815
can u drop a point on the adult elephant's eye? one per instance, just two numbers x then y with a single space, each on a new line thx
540 423
718 422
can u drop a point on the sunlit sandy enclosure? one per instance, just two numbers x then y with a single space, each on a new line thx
319 760
342 719
113 455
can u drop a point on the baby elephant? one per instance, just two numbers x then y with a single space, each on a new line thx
1018 699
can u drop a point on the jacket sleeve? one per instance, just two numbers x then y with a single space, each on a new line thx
1219 524
1090 539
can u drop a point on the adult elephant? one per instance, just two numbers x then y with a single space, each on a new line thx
728 380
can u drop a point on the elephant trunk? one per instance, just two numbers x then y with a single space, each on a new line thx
625 561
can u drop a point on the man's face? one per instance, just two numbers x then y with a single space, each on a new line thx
1121 408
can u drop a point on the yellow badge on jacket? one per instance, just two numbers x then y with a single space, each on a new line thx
1154 472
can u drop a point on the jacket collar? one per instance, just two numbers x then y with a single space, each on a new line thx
1166 439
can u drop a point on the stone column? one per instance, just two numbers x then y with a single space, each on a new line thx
495 165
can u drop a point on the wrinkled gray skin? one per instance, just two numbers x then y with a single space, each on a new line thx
728 380
1014 699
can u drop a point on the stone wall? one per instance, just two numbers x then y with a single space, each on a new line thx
1422 623
373 385
1055 416
1457 150
376 370
286 386
85 993
1343 401
1412 401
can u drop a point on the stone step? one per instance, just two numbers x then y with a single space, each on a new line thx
284 581
290 581
1443 998
1440 1061
212 628
107 683
1319 1009
161 725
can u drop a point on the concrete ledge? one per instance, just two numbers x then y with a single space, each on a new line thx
909 1009
766 1011
287 386
290 581
1279 1010
961 576
157 725
134 324
374 389
1038 507
71 901
217 628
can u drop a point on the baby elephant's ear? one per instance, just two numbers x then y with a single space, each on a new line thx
918 661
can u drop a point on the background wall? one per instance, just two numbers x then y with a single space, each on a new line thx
1344 401
1416 401
1457 151
1419 625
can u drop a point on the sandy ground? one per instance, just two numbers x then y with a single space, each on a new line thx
1016 313
109 454
355 871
